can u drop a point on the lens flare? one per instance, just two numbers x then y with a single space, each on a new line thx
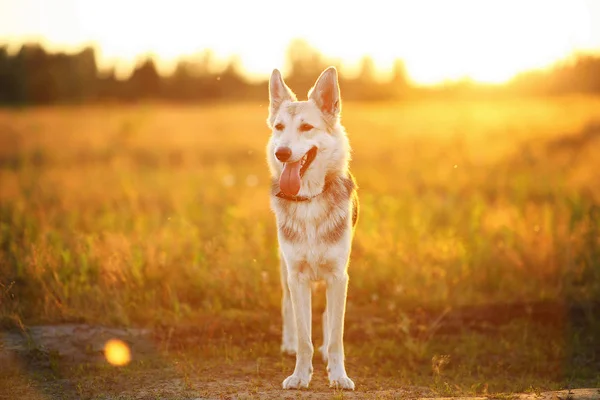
117 352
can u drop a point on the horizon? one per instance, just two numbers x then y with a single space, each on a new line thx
470 41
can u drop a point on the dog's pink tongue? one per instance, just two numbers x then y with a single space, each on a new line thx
289 181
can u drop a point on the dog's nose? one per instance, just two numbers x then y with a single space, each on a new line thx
283 153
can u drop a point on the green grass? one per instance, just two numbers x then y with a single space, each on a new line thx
158 216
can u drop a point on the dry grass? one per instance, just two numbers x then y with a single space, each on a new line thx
157 215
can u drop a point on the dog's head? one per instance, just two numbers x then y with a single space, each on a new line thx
308 141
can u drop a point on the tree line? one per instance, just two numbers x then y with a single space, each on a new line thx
34 76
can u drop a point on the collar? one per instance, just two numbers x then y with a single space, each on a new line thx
284 196
299 199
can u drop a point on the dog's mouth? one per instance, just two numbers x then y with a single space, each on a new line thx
292 173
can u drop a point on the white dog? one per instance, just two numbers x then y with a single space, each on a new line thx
316 206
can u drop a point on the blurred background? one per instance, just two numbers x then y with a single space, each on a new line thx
72 51
134 188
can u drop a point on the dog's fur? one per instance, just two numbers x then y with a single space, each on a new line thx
315 234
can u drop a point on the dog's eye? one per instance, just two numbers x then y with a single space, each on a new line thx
279 126
305 127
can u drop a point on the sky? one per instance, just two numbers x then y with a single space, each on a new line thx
439 40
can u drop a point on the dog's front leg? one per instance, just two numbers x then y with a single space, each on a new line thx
337 286
288 342
299 286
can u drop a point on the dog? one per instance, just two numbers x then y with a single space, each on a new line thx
315 202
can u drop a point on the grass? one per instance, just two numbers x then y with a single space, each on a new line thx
155 215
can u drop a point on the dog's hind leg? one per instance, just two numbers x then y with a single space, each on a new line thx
323 348
288 340
301 302
337 287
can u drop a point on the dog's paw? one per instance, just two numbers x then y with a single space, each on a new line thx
323 350
288 349
296 382
341 382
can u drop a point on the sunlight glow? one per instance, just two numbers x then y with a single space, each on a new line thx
438 40
117 352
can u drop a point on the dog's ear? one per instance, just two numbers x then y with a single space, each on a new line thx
326 92
278 93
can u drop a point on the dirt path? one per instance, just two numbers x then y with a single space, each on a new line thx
67 361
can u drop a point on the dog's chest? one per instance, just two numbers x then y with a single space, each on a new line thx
311 225
309 243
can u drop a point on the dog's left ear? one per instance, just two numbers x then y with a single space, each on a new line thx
326 92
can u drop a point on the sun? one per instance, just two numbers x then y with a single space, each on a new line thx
492 41
486 42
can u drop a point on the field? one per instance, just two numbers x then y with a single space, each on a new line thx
475 267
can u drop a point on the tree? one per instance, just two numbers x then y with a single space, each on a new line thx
145 82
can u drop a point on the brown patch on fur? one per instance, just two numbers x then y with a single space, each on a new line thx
340 187
337 231
355 208
326 266
351 182
339 190
288 233
302 266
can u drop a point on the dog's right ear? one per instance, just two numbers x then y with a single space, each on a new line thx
278 93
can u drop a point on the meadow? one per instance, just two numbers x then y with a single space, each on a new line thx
475 267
